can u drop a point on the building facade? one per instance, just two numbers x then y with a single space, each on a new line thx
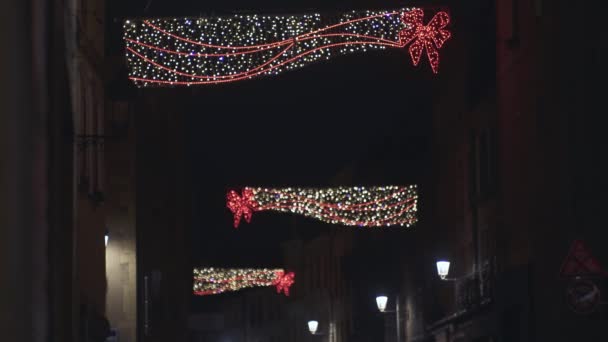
515 173
321 292
164 271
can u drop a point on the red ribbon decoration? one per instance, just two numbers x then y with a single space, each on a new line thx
283 281
240 205
432 36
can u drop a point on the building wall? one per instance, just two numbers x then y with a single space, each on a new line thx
61 204
544 177
569 177
120 206
162 215
25 164
85 69
52 231
547 153
320 292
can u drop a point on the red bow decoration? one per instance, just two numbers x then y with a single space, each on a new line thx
283 281
431 36
240 206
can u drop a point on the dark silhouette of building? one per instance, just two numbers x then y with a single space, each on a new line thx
514 175
163 210
320 293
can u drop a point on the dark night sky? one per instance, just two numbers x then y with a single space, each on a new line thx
296 129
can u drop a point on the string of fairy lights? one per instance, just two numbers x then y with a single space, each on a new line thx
350 206
192 51
211 281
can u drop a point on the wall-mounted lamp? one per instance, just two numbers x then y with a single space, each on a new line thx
381 302
312 326
443 268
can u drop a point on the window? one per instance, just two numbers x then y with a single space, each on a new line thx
513 41
253 314
538 7
322 277
482 165
481 54
260 306
309 273
317 273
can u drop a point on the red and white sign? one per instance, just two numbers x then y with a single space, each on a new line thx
580 263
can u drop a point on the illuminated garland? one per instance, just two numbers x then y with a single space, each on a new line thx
189 51
356 206
210 281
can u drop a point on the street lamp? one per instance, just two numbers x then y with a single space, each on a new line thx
106 237
443 268
381 302
312 326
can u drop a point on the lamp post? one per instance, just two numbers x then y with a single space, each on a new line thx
381 302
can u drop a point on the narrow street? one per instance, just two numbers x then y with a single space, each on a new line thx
311 171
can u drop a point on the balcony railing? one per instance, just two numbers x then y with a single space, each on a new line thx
476 289
473 293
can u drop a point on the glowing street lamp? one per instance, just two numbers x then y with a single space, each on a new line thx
381 302
312 326
106 237
443 268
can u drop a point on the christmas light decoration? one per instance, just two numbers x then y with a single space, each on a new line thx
189 51
210 281
356 206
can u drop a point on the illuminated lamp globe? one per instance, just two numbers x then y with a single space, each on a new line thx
443 268
381 302
312 326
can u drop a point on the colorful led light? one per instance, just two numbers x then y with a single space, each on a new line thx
210 281
352 206
187 51
430 37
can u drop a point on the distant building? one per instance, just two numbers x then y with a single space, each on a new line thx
321 292
203 327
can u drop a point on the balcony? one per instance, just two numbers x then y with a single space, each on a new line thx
473 293
475 290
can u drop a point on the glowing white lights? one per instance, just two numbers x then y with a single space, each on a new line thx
443 268
379 206
381 302
312 326
190 51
